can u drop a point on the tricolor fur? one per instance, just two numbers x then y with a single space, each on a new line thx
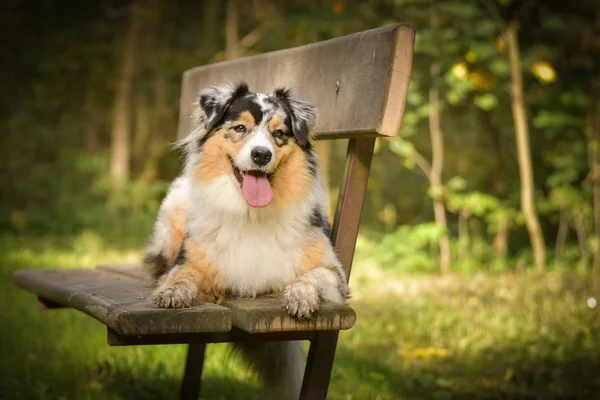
247 217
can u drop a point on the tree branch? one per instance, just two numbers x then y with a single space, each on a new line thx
492 8
422 163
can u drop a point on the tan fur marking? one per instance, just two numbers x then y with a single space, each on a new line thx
214 161
204 274
178 229
277 123
247 118
313 255
291 179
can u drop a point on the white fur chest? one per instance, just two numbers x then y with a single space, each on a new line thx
255 250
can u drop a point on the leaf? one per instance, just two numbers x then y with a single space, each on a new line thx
486 101
402 147
457 183
499 67
414 98
484 50
435 192
458 9
485 28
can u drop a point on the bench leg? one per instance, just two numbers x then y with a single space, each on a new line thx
318 366
190 387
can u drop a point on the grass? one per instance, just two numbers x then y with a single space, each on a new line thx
417 337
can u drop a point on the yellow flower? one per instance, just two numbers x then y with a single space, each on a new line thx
544 71
460 70
424 353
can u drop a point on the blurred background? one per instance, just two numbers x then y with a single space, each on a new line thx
478 261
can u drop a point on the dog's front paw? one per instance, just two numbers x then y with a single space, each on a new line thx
178 295
301 299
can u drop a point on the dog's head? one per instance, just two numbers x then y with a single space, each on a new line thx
253 138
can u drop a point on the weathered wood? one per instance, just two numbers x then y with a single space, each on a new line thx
120 302
351 198
268 315
133 270
318 366
358 82
344 234
190 386
235 335
263 314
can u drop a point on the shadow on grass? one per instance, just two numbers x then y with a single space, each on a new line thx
121 383
504 373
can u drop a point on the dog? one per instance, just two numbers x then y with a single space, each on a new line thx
247 217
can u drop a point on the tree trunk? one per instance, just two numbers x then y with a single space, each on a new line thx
594 149
437 164
142 133
119 157
157 144
232 34
524 151
561 236
437 155
210 25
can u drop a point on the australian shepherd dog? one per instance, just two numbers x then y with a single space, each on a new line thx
248 217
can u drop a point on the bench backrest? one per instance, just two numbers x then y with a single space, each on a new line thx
359 84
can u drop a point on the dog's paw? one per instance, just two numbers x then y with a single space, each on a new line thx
301 299
178 295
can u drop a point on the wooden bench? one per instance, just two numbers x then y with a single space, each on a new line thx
359 84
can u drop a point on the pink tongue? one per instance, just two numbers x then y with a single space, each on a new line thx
257 190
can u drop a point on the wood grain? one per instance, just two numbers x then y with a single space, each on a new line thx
120 302
268 315
118 295
372 68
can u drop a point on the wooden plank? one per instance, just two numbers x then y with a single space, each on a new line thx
267 315
344 233
235 335
263 314
319 364
192 375
133 270
351 199
358 82
120 302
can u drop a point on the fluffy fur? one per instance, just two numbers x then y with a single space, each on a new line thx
212 240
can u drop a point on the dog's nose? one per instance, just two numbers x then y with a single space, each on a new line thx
261 155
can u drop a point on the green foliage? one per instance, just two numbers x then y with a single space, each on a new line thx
406 250
57 119
416 337
486 102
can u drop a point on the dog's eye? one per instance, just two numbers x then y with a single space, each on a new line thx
240 128
277 133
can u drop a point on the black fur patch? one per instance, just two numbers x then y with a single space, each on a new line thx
215 110
181 255
241 104
311 159
157 263
298 126
318 220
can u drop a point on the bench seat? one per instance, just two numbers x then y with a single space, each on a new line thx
119 296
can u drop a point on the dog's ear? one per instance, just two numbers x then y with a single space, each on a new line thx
215 100
303 115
